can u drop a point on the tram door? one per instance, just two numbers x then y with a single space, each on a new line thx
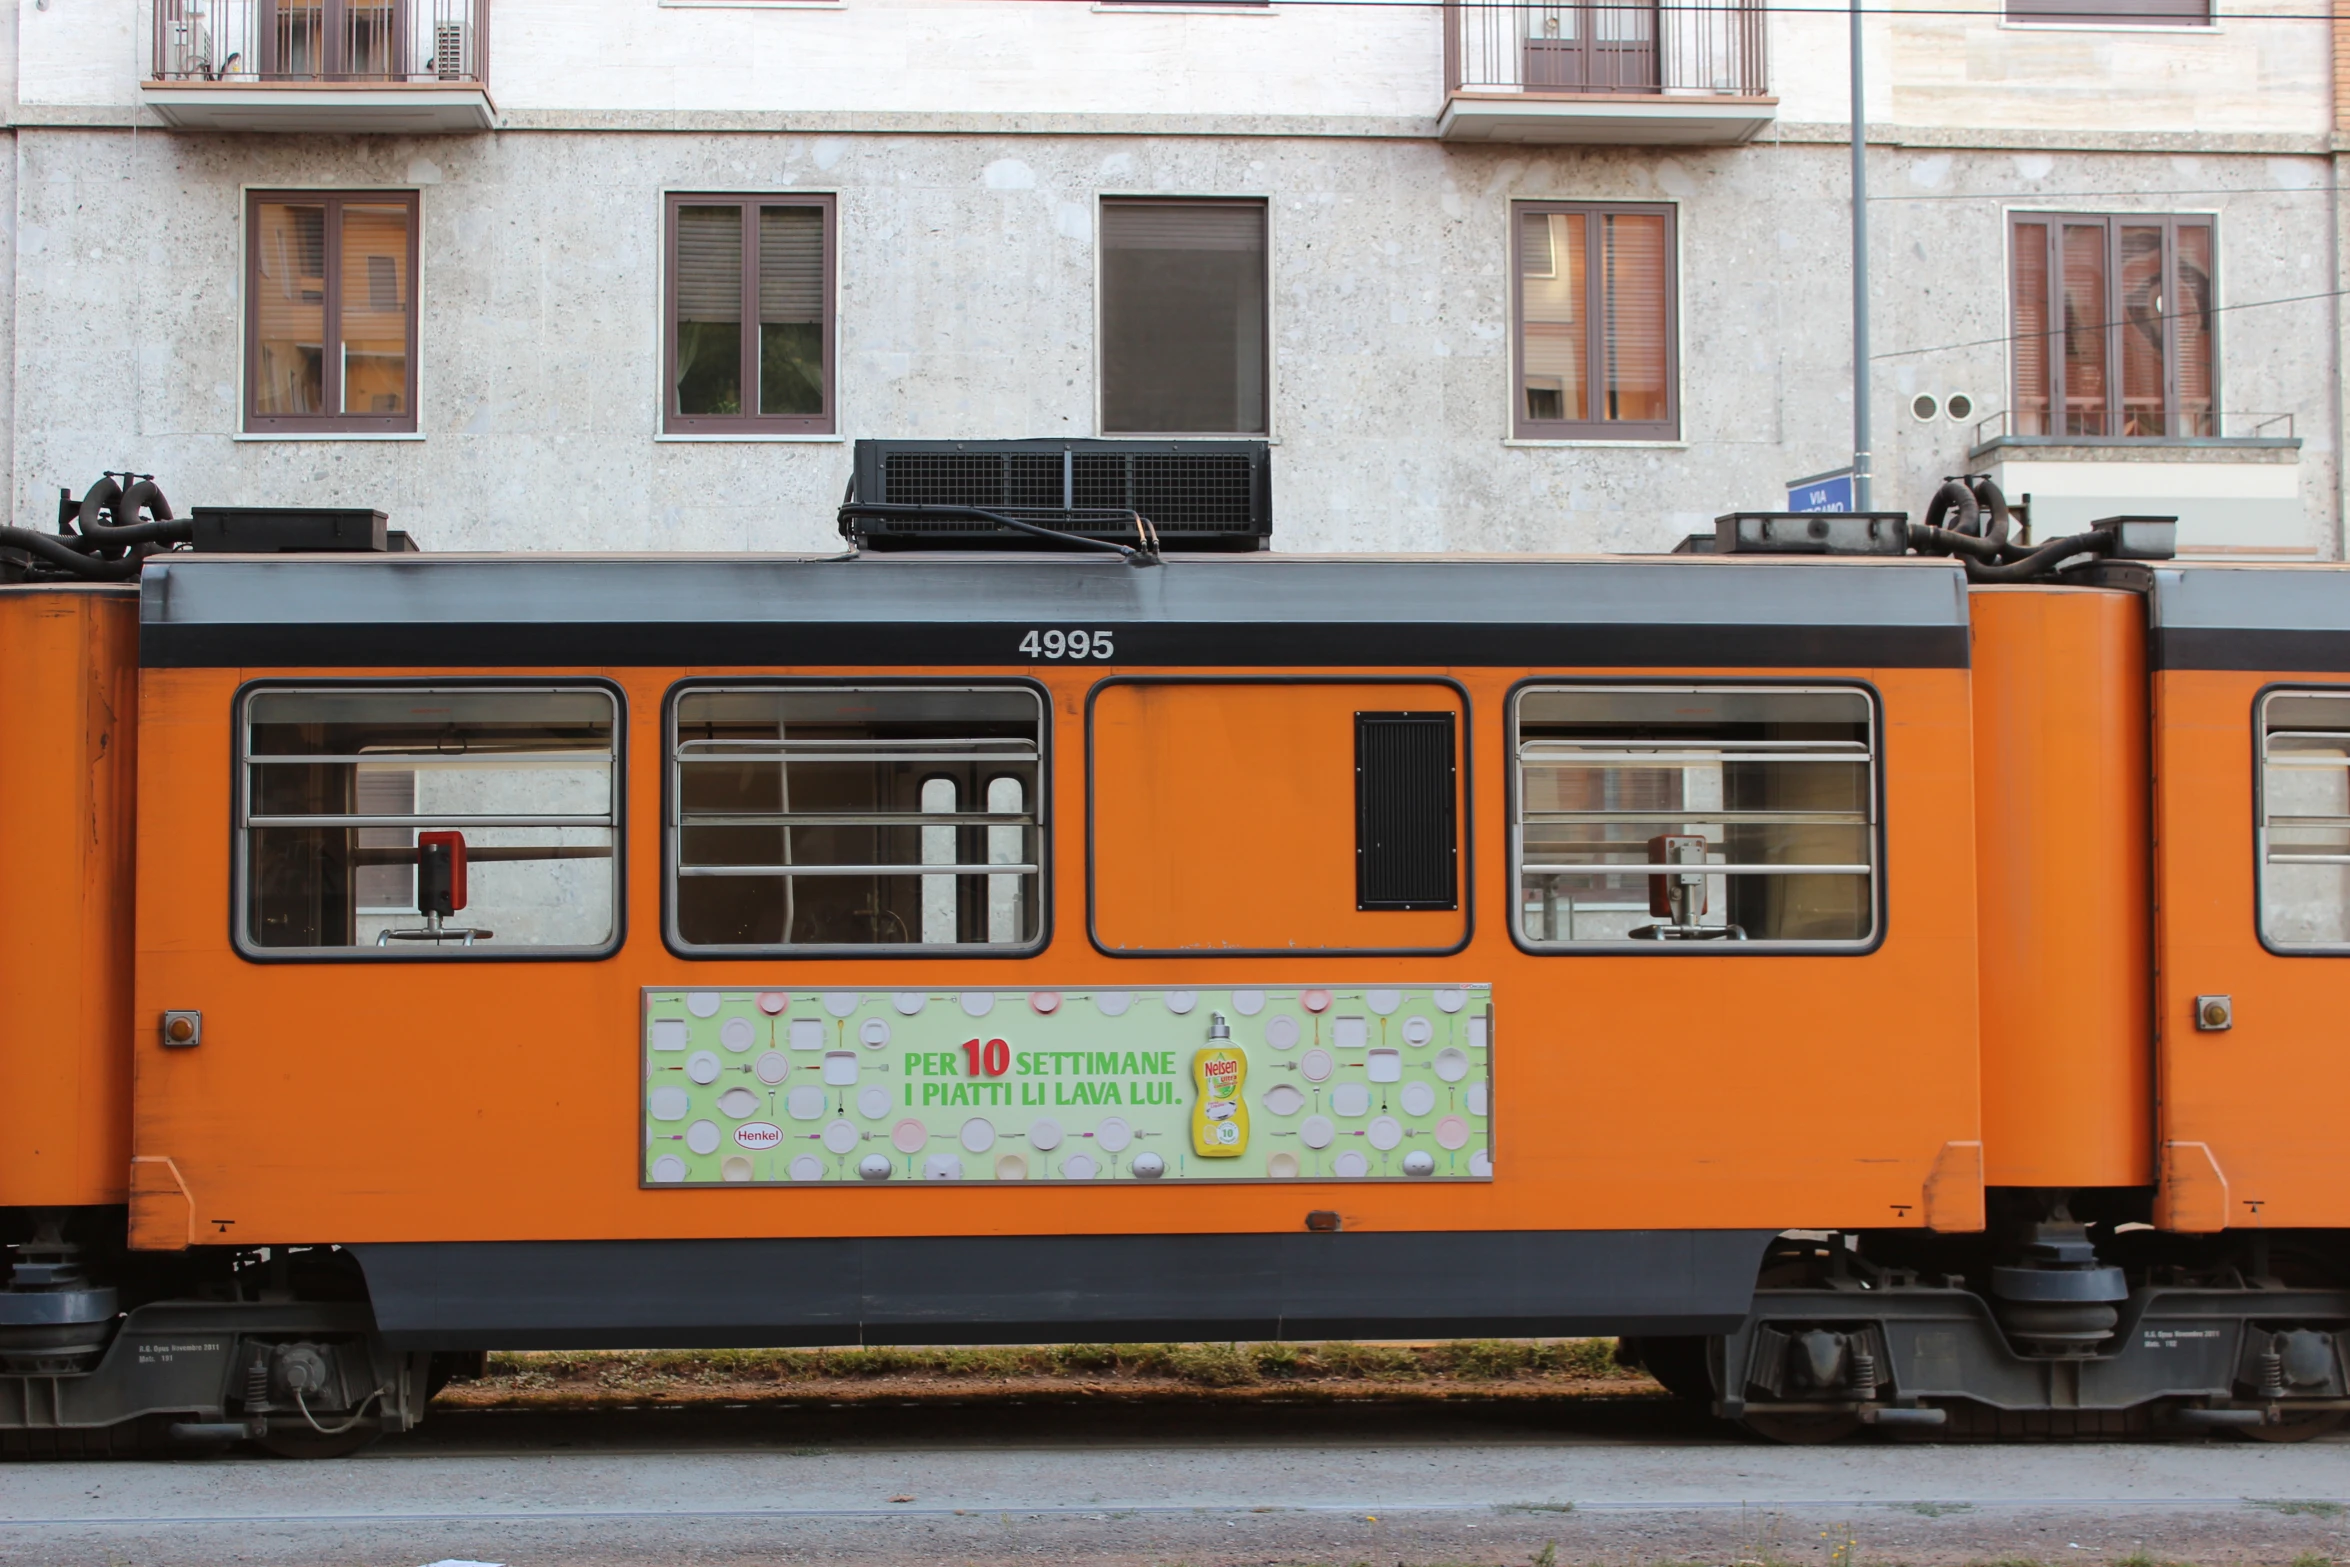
1277 817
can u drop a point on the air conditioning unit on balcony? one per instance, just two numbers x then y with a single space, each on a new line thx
448 51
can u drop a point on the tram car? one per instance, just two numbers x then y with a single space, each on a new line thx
1888 975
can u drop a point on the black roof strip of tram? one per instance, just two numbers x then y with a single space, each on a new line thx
906 611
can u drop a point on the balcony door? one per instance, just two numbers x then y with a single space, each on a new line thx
1591 47
2114 325
334 40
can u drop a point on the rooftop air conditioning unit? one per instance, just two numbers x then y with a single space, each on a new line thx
1194 495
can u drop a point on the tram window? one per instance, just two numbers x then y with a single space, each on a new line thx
415 821
810 818
2305 819
1763 800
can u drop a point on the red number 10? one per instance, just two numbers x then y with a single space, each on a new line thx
993 1061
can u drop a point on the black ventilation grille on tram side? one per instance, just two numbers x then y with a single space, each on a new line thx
1406 856
1197 495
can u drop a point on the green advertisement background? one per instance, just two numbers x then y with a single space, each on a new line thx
888 1076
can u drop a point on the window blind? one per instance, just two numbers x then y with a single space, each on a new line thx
1633 307
1186 225
1183 317
2095 13
710 263
791 265
2031 329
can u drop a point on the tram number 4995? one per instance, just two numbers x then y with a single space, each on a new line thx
1068 644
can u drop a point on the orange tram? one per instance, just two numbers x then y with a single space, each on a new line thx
1889 975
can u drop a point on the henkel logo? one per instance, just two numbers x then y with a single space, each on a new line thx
758 1134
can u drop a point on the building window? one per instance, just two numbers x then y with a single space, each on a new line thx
808 818
2112 13
330 318
405 821
1696 819
1596 328
749 336
2305 820
1183 317
2113 326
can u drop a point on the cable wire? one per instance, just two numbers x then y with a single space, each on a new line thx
357 1415
2100 326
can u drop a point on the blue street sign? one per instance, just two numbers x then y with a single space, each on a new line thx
1821 492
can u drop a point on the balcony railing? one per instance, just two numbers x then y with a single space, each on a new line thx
1559 47
317 42
2192 425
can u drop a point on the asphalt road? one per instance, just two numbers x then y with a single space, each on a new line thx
1111 1484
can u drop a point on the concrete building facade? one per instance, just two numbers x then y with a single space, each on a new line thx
970 150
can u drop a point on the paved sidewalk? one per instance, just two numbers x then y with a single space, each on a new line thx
1379 1486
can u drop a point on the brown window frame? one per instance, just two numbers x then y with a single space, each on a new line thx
331 370
1524 428
1264 427
2114 324
675 423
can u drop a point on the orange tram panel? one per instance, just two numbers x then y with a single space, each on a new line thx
1866 995
2062 869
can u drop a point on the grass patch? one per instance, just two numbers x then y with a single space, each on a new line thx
1473 1361
2310 1509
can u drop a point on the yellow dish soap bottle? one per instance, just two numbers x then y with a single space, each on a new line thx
1219 1120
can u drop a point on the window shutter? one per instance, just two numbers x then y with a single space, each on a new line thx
1637 369
2086 330
1183 317
2105 13
1183 225
2032 389
2192 311
709 263
1540 259
791 265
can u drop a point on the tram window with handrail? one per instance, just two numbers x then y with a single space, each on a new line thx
2305 819
1694 819
408 821
806 818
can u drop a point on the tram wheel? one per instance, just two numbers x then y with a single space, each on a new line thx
2296 1428
301 1442
1679 1365
1802 1430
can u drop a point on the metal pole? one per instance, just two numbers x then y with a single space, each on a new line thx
1861 499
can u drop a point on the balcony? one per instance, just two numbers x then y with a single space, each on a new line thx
2234 481
1617 73
407 67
